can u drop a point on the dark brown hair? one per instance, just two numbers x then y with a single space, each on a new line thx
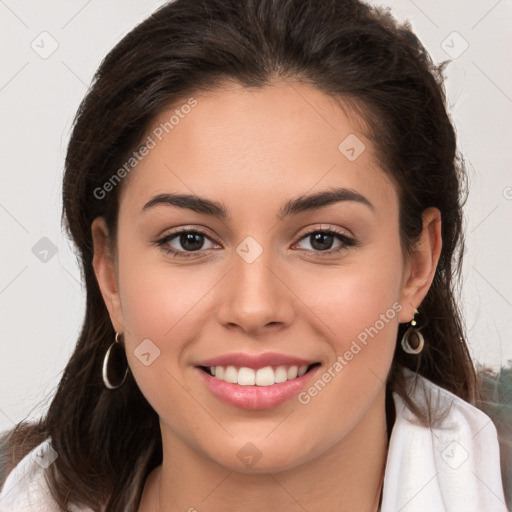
109 440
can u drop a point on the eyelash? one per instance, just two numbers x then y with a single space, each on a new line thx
343 238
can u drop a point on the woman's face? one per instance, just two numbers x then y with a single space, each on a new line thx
292 261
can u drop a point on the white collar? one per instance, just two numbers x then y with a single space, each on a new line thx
454 466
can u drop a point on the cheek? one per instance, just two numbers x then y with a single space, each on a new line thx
370 306
160 312
357 296
158 298
359 306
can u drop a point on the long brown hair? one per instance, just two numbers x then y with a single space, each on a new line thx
109 440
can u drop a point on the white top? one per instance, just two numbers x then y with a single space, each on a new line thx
451 467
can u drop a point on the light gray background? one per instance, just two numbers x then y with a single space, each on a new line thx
42 303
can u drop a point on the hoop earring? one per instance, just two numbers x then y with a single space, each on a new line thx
106 363
413 332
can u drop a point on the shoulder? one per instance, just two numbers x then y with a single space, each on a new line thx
453 465
26 489
449 411
496 401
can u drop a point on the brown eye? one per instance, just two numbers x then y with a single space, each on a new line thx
185 242
191 241
321 241
326 241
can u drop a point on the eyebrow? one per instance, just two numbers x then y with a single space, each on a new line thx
294 206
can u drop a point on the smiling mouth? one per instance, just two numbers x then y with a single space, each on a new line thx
266 376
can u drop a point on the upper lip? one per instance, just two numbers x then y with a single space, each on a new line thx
240 360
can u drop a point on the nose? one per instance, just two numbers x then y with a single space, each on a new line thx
256 297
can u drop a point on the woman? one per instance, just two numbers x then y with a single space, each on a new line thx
254 190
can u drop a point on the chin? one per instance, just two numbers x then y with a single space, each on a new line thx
258 457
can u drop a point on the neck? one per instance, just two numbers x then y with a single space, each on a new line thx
348 476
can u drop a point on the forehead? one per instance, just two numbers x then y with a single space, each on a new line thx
274 141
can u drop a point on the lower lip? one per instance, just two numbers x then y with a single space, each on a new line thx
256 397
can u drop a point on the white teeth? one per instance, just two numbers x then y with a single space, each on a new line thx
280 375
266 376
246 377
231 375
292 372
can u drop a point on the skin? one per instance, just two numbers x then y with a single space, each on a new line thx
253 150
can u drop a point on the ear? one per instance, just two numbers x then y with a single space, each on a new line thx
421 266
105 271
